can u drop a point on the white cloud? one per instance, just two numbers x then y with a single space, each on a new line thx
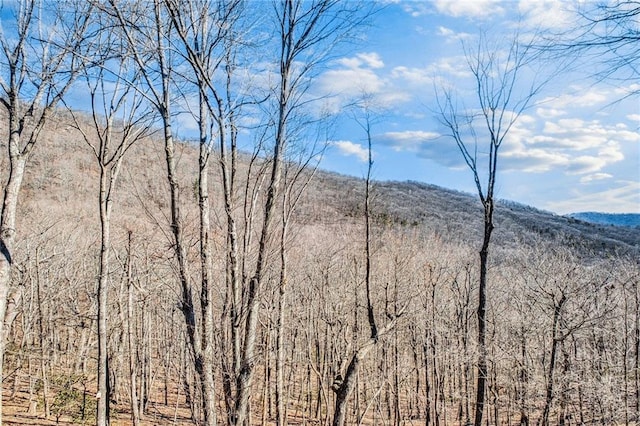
445 32
352 149
563 126
366 59
576 146
578 97
533 160
451 35
611 152
408 140
424 144
358 75
350 63
454 66
412 76
585 164
595 177
550 112
476 9
546 14
371 59
391 97
629 90
416 8
415 115
571 145
350 82
622 197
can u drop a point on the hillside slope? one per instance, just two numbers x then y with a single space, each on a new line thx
457 215
63 175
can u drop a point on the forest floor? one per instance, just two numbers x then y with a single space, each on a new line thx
22 409
16 411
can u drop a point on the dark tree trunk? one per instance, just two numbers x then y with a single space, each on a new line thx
481 314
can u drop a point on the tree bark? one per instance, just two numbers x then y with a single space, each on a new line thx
133 371
8 233
103 277
207 369
481 315
281 406
557 310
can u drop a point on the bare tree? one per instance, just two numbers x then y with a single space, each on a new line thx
133 390
119 118
151 49
306 33
40 54
605 34
298 174
207 32
343 385
479 133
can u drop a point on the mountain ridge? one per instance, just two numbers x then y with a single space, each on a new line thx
458 215
602 218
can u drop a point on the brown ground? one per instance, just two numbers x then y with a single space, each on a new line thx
16 413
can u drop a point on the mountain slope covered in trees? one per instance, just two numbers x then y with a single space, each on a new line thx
63 172
456 215
424 251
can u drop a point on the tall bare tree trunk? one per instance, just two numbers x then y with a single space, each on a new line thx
555 340
481 312
133 370
7 235
281 404
187 305
207 363
24 53
103 277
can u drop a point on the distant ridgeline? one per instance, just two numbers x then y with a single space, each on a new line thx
617 219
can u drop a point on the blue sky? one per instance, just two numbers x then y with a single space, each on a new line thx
575 149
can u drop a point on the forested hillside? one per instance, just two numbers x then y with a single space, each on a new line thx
149 280
457 216
560 290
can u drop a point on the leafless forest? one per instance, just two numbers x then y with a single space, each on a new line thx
146 279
